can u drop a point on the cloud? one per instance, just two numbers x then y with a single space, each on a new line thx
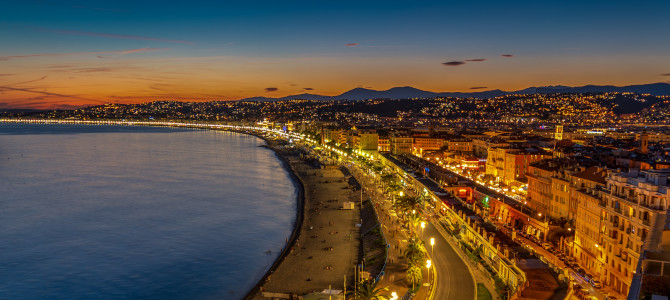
478 87
293 84
476 59
352 44
93 70
30 90
271 89
60 66
161 86
29 81
308 89
122 52
666 74
118 36
89 70
506 55
453 63
6 74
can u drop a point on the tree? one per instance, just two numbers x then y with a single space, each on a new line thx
415 253
413 275
369 290
407 203
393 187
414 220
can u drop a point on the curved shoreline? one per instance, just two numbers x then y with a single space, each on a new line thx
297 181
300 216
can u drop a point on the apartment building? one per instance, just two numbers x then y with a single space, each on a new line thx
635 207
401 144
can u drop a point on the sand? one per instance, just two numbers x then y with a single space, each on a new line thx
327 245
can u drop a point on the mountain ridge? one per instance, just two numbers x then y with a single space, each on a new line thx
406 92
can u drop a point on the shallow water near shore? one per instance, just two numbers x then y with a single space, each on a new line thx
122 212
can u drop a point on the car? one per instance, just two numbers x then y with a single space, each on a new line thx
608 297
582 293
546 245
595 283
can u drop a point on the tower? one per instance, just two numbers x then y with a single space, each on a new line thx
558 135
644 142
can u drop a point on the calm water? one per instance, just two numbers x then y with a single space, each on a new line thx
114 212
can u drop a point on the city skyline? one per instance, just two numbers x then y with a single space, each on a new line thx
73 54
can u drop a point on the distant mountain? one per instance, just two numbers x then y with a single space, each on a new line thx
407 92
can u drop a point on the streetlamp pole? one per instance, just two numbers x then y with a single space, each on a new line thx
423 225
428 263
432 247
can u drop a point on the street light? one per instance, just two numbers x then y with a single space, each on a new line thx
432 245
423 225
428 263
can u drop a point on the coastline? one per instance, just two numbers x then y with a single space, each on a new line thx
301 207
298 224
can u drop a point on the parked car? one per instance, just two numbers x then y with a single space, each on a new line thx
546 246
595 283
582 293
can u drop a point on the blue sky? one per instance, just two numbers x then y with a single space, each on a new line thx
235 49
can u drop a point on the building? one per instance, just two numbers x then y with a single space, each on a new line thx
460 145
401 144
510 165
368 141
635 215
383 144
423 144
549 184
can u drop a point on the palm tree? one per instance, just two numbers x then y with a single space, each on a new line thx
413 275
415 253
414 220
406 204
368 290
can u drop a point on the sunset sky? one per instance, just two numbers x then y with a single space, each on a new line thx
64 54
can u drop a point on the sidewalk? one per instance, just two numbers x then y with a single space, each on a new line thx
396 237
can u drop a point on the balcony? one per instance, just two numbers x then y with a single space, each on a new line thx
654 207
627 198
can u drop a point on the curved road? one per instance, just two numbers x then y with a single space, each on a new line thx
454 280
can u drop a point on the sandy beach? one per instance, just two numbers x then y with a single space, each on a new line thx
326 247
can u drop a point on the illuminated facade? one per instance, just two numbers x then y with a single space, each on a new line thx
635 208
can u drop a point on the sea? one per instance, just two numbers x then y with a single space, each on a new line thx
132 212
